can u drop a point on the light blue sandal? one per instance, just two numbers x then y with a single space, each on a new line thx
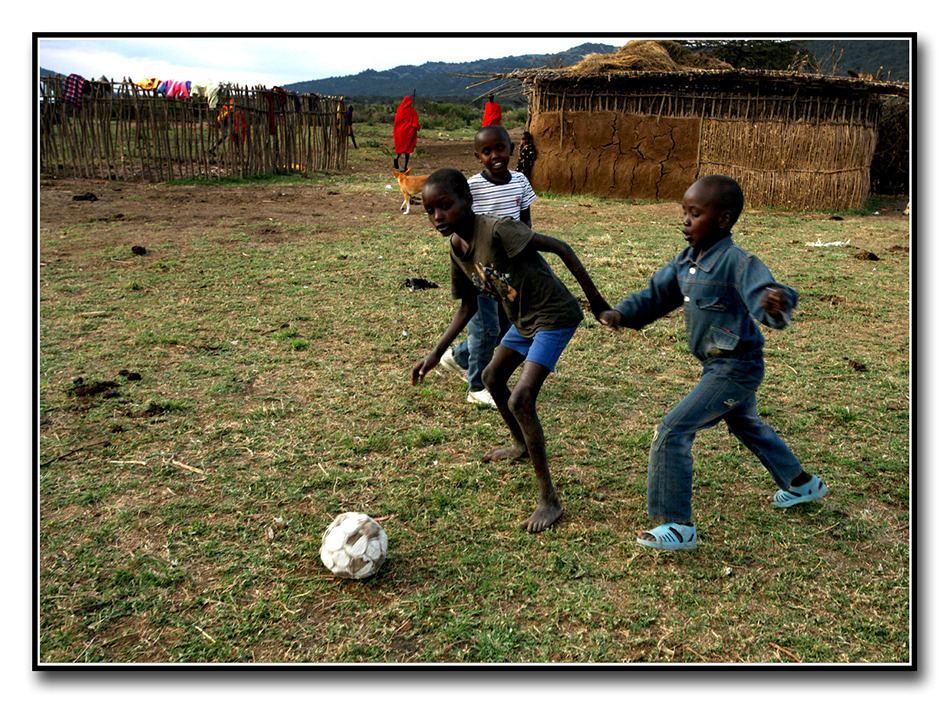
671 536
812 490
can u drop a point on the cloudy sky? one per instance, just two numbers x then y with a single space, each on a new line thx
277 60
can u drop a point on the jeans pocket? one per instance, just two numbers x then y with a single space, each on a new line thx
729 395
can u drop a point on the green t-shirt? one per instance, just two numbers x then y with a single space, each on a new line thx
500 263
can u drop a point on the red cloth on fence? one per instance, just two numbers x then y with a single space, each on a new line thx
405 127
72 93
177 89
492 114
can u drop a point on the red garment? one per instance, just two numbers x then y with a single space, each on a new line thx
405 127
72 94
492 114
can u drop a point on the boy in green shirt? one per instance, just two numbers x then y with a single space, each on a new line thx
502 257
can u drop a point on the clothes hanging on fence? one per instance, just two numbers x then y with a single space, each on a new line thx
214 93
178 89
225 109
72 93
148 83
209 90
232 120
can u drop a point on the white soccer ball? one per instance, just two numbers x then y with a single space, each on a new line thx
354 546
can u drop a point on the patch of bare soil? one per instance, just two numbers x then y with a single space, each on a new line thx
180 211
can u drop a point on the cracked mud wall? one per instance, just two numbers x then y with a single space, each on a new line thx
628 155
615 155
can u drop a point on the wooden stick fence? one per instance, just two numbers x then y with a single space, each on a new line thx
121 131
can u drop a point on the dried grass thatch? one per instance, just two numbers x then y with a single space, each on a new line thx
648 55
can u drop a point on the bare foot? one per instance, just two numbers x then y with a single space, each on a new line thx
516 452
544 516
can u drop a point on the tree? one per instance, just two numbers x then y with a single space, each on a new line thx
764 54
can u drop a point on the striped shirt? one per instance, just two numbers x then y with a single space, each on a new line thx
501 199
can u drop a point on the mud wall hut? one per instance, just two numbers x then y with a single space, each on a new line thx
792 140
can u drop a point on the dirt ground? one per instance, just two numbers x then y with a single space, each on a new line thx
185 209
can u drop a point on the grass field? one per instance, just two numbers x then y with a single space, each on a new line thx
181 512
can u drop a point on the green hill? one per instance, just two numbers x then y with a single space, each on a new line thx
434 79
887 59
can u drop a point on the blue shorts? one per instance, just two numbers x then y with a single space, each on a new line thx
544 348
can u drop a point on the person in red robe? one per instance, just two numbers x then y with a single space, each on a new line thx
405 128
492 112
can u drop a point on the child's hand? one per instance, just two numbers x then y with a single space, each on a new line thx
598 305
611 318
773 301
422 367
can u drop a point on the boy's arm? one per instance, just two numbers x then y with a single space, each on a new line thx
526 216
768 301
662 295
562 249
466 311
528 196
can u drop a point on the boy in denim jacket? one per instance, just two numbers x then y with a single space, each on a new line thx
722 288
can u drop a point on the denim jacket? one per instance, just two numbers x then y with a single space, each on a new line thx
721 295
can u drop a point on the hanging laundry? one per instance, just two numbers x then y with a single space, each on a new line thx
72 93
148 83
177 89
225 109
214 93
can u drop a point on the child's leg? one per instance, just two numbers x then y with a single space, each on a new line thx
495 377
670 475
519 409
521 415
523 404
745 423
482 338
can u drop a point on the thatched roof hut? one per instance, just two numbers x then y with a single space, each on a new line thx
647 121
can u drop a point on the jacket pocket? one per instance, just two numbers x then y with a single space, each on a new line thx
719 342
713 303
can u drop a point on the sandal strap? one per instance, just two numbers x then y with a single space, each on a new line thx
671 536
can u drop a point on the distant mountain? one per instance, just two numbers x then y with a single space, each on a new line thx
433 80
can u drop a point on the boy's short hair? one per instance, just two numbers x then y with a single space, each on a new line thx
453 179
493 128
728 193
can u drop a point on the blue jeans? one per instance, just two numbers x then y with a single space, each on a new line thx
726 392
485 330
